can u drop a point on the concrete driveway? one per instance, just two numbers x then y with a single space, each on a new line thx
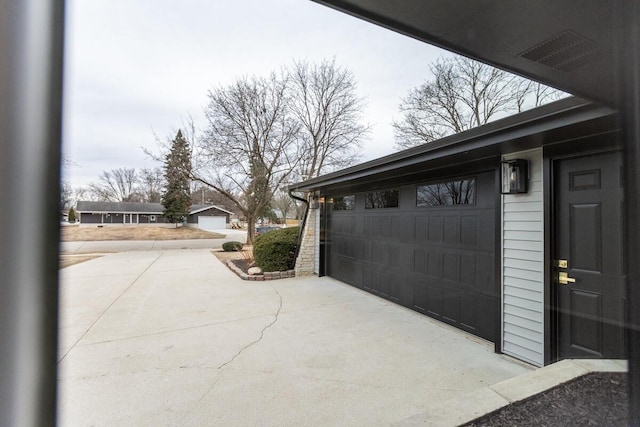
152 338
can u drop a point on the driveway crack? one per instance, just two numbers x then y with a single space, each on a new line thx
219 368
275 319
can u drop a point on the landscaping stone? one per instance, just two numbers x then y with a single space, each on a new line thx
254 271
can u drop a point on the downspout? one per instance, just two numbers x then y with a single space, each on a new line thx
304 221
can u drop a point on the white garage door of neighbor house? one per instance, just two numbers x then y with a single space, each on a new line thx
212 222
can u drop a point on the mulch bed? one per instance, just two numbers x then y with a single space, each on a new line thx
243 264
595 399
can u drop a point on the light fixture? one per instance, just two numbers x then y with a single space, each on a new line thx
515 176
314 203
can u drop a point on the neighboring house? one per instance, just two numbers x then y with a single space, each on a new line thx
540 273
207 217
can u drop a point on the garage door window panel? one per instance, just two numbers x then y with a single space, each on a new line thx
449 193
381 199
344 203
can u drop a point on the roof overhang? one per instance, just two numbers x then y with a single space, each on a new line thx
206 208
563 121
117 212
570 45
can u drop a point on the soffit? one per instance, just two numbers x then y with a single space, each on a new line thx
566 44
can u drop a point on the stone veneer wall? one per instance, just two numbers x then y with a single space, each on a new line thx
305 263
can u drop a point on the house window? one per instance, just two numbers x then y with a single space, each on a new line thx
381 199
461 192
344 203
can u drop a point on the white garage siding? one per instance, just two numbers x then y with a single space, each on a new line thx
523 266
211 223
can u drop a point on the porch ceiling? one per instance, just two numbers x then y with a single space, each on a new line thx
570 45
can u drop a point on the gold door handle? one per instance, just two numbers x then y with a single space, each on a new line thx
564 279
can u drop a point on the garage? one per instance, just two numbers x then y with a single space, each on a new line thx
429 246
478 230
212 223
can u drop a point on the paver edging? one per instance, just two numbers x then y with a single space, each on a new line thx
268 275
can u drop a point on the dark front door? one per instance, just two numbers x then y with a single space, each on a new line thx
590 254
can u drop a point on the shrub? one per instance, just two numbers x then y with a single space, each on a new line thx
72 216
275 250
231 246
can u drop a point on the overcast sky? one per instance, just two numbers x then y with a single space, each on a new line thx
138 67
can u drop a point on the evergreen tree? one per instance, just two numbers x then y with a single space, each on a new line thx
72 216
177 172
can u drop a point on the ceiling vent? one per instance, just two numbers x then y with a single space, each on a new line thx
567 51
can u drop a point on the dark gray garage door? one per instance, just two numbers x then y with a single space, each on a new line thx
434 252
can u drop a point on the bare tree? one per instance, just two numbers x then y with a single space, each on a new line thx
118 185
67 161
325 102
284 203
83 193
66 195
529 94
463 94
300 210
304 121
249 145
151 184
204 195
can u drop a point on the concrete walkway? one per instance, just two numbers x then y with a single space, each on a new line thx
152 338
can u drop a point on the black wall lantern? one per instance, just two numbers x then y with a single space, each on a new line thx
515 176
